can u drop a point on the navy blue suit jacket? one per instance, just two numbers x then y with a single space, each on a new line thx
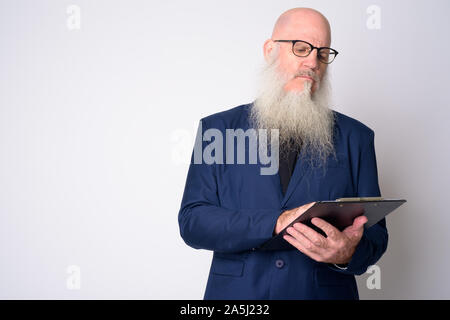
232 209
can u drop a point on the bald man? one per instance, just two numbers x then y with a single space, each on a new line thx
232 208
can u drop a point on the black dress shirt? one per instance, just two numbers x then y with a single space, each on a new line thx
287 165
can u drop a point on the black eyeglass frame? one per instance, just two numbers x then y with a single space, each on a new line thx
312 48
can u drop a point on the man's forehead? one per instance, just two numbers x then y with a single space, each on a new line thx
306 35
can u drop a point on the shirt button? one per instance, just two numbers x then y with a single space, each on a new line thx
279 263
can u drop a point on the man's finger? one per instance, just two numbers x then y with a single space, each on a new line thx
358 224
329 229
357 228
297 244
301 238
302 209
316 238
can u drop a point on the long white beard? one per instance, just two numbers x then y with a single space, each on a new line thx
303 121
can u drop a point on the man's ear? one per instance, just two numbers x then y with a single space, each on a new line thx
267 49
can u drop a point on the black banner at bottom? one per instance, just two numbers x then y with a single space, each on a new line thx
200 309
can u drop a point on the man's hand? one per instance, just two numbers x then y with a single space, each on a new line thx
290 215
338 247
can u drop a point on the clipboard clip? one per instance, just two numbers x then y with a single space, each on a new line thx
359 199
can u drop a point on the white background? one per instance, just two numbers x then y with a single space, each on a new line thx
97 125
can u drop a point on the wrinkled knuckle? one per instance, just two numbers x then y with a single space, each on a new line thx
318 243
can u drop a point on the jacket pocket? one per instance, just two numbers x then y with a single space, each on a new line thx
227 267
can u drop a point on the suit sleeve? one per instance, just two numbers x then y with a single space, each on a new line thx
205 224
374 241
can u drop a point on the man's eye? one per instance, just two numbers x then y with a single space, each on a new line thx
302 50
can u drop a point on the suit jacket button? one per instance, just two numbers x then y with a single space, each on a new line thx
279 263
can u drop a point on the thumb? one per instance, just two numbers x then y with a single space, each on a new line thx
302 209
357 225
359 222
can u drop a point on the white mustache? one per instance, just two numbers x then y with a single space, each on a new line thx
307 74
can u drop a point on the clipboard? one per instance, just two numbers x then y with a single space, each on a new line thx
340 213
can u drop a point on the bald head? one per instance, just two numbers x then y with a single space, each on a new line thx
295 23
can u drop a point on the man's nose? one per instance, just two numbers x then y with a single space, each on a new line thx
311 61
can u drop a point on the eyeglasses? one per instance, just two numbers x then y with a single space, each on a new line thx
302 49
